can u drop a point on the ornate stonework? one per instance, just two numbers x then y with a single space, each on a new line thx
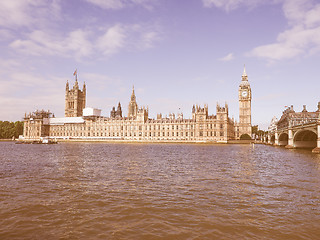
245 106
138 126
75 100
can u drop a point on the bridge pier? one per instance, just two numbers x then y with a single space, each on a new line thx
276 139
317 149
290 139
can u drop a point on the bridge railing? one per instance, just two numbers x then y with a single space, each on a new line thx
303 121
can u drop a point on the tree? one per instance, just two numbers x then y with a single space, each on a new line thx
245 137
257 133
10 129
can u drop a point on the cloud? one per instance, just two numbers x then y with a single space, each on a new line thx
227 58
82 43
303 38
149 38
229 5
26 91
107 4
119 4
112 40
41 43
28 13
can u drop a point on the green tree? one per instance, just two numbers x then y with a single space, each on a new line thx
245 137
10 129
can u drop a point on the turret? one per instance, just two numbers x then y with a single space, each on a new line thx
142 114
133 96
113 112
133 106
67 86
119 110
75 99
76 85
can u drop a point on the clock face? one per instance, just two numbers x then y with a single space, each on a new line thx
244 93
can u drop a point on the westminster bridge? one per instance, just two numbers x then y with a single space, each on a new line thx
296 130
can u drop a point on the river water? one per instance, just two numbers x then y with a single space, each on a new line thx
158 191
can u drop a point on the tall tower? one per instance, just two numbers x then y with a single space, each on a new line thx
75 100
133 106
245 105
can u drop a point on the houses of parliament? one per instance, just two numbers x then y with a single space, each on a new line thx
85 124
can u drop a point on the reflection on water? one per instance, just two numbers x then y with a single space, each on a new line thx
165 191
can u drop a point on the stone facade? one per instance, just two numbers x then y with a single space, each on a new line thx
137 126
75 100
133 106
36 124
245 106
296 129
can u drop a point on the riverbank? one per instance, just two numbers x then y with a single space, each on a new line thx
160 142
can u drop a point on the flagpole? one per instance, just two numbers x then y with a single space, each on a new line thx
76 74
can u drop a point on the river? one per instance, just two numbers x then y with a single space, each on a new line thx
158 191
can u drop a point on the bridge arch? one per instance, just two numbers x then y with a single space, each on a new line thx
273 139
305 139
283 139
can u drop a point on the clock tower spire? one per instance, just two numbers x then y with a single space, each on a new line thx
245 106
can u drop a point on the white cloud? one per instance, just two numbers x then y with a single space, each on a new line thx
112 40
227 58
119 4
107 4
303 38
79 43
26 91
28 13
149 38
229 5
45 43
5 35
82 43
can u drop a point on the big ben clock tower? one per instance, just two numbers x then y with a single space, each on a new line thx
244 105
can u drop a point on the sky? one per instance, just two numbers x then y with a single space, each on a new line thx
176 53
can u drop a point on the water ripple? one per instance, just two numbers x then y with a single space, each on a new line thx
166 191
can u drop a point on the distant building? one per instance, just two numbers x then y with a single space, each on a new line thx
296 129
133 106
75 100
245 106
87 123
